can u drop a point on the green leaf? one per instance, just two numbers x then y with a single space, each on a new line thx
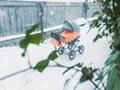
53 55
79 65
35 38
88 72
24 42
40 66
108 11
96 38
95 13
94 23
112 58
83 79
117 78
33 28
116 41
117 83
113 80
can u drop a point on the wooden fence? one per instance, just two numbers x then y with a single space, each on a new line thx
16 17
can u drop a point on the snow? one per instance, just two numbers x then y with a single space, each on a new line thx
51 79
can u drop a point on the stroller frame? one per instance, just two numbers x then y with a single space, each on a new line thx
69 48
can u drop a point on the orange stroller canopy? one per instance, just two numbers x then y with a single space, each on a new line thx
69 33
68 36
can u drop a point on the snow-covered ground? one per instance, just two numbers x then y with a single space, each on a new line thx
51 79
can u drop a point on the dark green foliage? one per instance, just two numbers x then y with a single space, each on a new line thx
53 55
95 13
24 42
108 20
40 66
79 65
83 79
116 43
108 24
97 37
87 74
36 38
30 38
95 23
33 28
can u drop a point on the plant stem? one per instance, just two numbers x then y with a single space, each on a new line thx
15 73
28 59
95 85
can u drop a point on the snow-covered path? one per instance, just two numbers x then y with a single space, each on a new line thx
51 79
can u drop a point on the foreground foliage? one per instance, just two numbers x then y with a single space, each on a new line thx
108 24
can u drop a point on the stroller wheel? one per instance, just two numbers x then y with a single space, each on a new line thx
61 50
72 55
81 49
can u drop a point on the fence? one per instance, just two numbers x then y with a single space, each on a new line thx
16 17
55 14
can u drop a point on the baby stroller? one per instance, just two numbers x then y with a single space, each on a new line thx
67 41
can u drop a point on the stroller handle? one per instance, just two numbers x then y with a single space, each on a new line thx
62 37
57 36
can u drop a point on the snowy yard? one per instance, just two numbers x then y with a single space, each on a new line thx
51 79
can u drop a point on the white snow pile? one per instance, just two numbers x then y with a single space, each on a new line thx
51 79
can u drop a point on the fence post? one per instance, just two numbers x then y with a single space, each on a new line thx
41 20
85 9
